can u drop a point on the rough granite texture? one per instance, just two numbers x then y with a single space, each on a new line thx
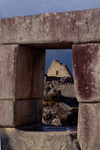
86 72
67 90
52 30
21 84
21 72
89 126
20 112
20 139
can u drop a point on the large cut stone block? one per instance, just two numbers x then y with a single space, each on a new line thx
89 126
20 112
27 139
86 70
52 30
21 72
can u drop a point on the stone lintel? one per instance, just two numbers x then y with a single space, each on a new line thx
89 126
20 112
52 30
86 71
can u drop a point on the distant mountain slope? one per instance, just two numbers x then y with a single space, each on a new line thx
62 55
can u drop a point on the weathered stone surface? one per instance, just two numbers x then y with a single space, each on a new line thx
8 56
20 112
29 140
67 90
86 70
89 126
52 30
21 72
57 69
30 73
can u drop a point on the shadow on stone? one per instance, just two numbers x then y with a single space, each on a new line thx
5 140
73 138
70 101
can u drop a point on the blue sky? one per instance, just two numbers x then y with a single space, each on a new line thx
11 8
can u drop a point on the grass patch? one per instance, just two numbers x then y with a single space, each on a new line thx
51 98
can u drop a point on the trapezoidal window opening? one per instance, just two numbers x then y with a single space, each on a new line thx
59 94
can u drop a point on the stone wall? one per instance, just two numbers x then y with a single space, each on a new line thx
86 70
51 31
57 69
67 90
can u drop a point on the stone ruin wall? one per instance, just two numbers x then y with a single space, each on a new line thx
67 89
57 69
